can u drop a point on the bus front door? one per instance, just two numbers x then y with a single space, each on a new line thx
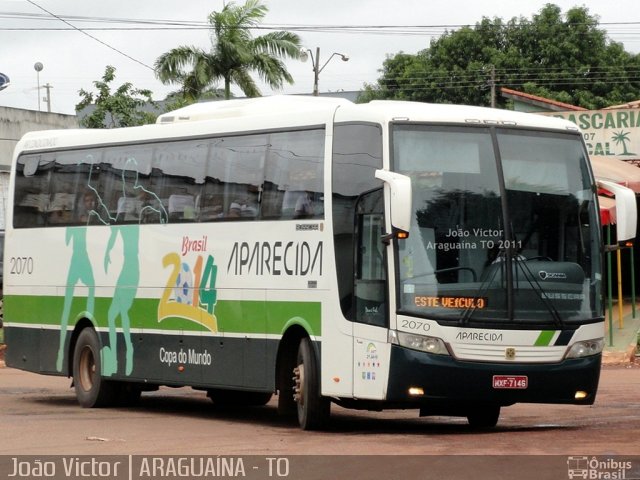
370 349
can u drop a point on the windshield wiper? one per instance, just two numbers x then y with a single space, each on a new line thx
484 286
536 287
505 266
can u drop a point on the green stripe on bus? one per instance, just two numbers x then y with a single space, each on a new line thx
544 339
233 316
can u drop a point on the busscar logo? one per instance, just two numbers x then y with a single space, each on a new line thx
552 275
308 227
598 468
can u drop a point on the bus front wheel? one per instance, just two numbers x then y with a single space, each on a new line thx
92 390
313 409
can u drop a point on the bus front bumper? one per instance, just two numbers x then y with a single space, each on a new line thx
443 379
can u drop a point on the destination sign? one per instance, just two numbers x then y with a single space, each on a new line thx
423 301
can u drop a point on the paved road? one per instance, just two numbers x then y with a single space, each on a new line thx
39 415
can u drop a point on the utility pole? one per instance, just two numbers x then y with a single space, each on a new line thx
305 53
492 84
48 97
316 72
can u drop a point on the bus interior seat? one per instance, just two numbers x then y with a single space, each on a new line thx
30 210
181 207
128 210
209 207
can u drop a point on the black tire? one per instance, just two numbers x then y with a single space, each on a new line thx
313 409
92 390
484 417
238 398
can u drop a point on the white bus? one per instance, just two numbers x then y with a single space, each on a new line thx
385 255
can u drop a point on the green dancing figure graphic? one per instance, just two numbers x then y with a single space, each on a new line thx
129 278
123 297
80 270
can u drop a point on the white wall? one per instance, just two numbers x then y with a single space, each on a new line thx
14 123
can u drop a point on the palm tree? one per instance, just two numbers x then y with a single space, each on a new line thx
622 138
234 54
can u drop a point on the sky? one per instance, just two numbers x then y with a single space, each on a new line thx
72 60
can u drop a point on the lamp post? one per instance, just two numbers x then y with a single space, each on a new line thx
315 62
4 81
38 68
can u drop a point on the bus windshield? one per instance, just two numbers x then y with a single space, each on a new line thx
504 226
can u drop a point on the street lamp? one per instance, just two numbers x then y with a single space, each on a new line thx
315 62
38 68
4 81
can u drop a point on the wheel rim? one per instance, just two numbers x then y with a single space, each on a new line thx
87 368
298 389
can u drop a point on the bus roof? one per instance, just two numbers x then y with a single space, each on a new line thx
246 107
383 110
449 113
283 111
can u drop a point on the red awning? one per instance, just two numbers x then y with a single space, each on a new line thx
617 171
607 210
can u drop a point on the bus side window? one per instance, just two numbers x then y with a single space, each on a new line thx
61 209
86 208
305 205
294 175
181 208
271 208
210 207
128 210
27 213
31 200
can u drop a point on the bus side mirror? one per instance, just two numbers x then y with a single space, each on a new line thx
626 214
400 188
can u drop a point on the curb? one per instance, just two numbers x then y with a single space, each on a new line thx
627 355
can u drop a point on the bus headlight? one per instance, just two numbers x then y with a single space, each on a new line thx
586 348
418 342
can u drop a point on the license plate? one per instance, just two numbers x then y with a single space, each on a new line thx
510 381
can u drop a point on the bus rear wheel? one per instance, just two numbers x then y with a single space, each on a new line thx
92 390
313 409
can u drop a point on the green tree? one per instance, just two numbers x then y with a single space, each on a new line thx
178 99
564 57
119 108
233 55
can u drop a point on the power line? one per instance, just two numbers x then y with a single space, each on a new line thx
482 84
155 24
629 77
515 76
89 35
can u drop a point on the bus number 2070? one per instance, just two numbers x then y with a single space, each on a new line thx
21 265
415 325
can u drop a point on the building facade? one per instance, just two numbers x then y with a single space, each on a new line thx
15 122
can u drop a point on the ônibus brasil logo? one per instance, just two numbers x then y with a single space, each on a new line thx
596 468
